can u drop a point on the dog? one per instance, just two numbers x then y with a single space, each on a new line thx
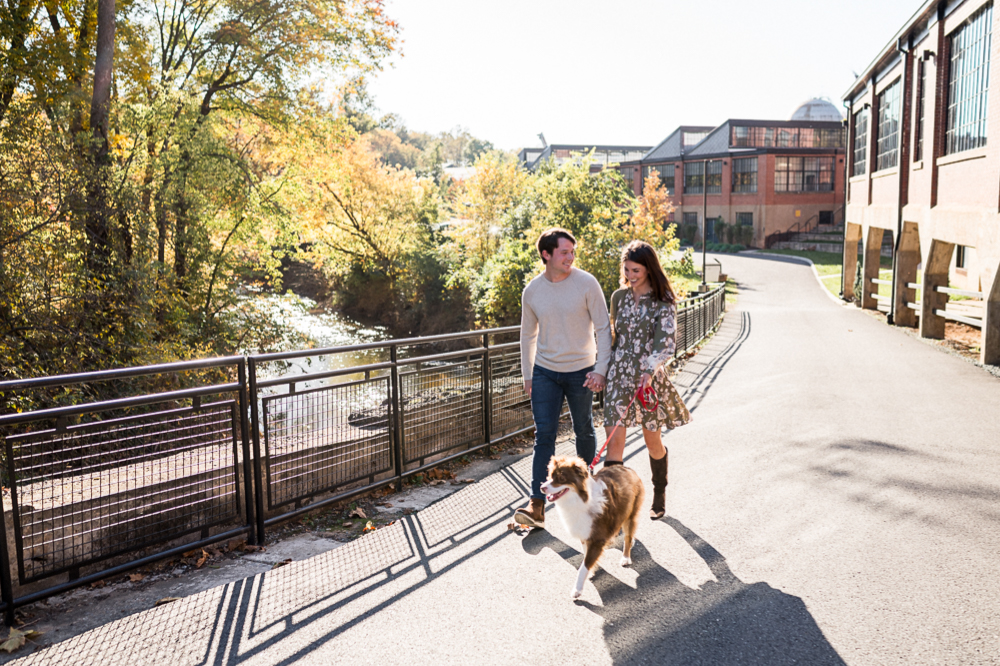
595 508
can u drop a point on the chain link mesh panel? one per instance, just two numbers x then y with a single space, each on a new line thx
91 491
323 438
442 407
511 405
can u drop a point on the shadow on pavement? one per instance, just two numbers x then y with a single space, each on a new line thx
700 372
726 621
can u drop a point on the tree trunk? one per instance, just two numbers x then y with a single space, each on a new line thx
98 214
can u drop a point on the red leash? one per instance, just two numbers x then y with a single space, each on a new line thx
641 394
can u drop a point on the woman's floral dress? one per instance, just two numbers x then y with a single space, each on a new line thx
642 341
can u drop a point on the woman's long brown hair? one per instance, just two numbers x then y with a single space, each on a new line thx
643 254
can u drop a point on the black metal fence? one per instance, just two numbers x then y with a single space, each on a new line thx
201 452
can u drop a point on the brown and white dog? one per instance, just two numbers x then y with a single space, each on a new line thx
595 508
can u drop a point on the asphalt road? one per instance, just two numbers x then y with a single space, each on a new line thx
835 500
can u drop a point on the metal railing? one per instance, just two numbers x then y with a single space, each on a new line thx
806 227
118 469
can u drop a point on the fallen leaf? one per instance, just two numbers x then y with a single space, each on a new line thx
358 513
97 584
193 553
468 480
17 638
201 560
281 563
494 457
237 544
348 524
136 577
440 473
436 482
387 505
166 600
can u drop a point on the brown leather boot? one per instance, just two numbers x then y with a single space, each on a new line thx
533 515
659 469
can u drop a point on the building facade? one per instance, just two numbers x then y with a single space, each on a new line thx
776 176
924 167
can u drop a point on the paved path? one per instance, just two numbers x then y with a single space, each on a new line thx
834 501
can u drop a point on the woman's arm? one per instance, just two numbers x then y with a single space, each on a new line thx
664 328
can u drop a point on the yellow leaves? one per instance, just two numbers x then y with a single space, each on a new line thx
17 638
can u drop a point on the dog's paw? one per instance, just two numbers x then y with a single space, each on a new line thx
626 561
575 593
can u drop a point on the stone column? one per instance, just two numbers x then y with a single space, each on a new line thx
990 346
906 271
873 257
935 274
852 236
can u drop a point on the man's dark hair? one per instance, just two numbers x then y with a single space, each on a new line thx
549 241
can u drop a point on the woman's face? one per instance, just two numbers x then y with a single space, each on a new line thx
636 274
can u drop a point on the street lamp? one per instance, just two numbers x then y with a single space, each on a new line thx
704 224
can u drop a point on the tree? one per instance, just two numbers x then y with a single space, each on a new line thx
483 203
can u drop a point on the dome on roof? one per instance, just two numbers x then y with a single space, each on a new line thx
817 109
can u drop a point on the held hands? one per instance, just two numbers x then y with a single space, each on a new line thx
594 382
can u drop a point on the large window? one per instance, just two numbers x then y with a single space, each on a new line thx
968 81
745 174
742 136
860 142
887 141
691 218
666 175
918 144
803 174
694 177
628 173
714 179
744 219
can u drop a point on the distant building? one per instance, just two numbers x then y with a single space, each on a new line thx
531 158
925 169
774 175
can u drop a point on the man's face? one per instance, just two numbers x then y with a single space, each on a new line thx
561 259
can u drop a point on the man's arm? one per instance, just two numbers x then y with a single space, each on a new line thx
602 329
529 335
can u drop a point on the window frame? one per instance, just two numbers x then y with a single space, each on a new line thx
887 126
808 180
968 82
694 177
744 181
859 156
668 182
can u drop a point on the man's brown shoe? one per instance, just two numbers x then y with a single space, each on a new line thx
533 515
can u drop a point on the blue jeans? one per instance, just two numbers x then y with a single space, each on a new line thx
548 388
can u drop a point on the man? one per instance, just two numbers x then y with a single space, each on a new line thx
561 311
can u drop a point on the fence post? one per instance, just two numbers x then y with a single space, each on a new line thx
6 584
258 460
248 496
397 418
487 391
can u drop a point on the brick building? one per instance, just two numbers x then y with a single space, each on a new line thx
777 176
924 168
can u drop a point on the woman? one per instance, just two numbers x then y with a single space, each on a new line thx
643 321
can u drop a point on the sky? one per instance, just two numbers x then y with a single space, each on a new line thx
626 72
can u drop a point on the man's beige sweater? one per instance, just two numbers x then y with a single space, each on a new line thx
559 321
